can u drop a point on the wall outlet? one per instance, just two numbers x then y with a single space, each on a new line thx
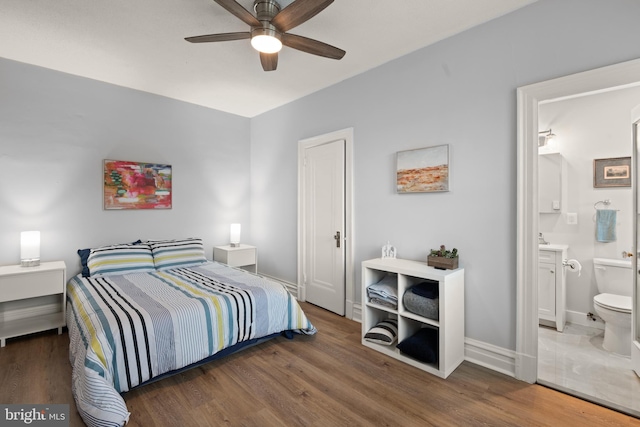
572 218
556 205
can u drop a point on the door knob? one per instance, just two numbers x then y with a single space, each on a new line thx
337 237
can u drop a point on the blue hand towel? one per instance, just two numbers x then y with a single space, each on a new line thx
606 225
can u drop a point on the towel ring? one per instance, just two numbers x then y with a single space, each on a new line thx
605 202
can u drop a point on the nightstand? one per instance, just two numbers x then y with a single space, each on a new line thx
245 256
20 283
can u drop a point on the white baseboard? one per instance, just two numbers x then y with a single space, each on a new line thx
578 318
357 312
490 356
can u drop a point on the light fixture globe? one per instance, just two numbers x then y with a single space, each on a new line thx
266 40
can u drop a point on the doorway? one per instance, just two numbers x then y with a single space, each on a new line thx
325 227
574 358
529 98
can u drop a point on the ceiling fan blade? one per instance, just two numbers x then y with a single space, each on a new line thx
240 12
269 61
223 37
314 47
298 12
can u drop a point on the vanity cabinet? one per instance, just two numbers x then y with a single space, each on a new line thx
552 292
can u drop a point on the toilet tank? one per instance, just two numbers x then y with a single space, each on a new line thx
614 276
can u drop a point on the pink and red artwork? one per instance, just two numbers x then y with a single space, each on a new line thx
135 185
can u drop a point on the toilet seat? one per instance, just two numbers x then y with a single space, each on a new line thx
613 302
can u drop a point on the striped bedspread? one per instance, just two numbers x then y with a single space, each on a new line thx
127 329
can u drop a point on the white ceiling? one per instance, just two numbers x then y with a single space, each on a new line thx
140 44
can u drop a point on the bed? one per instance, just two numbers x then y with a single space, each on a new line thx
144 310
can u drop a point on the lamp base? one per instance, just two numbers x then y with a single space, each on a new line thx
34 262
234 245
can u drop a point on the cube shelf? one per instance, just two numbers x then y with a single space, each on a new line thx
450 322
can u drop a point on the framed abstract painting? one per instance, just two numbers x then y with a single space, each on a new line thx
424 170
136 185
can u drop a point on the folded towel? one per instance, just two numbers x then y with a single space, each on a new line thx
427 289
606 225
387 288
384 302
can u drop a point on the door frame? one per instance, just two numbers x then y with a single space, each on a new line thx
303 145
635 186
528 97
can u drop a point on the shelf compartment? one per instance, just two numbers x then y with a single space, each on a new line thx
409 329
373 277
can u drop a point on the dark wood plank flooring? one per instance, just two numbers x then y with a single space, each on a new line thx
325 380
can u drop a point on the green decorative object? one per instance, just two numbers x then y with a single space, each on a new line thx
443 259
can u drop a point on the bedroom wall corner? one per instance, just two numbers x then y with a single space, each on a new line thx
55 131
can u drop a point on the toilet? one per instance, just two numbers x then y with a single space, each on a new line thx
614 278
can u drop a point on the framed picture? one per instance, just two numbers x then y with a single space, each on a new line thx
614 172
135 185
424 170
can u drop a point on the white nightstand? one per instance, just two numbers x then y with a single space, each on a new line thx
20 283
245 256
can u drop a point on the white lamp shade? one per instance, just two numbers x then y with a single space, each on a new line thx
234 234
30 247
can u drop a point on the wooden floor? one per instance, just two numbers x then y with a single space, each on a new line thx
329 379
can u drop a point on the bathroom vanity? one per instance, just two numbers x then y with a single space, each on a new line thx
552 293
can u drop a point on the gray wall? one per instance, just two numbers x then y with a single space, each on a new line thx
55 132
462 92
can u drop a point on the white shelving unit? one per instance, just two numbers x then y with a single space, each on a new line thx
450 324
21 283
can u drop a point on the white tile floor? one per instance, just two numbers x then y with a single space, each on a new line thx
573 361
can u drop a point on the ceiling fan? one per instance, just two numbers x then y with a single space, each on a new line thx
269 29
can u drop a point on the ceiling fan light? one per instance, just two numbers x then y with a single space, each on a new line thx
266 44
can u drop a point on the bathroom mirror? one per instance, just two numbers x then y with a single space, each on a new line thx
550 167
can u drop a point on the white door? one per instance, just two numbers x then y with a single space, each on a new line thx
324 219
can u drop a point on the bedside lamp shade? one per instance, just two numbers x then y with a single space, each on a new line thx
234 235
30 248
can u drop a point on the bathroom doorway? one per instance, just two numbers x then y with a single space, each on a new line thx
585 127
529 100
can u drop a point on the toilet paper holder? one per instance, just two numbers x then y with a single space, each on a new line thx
573 264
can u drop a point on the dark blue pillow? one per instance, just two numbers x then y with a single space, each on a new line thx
84 255
423 345
427 289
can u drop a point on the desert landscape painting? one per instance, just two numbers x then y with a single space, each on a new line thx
423 170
